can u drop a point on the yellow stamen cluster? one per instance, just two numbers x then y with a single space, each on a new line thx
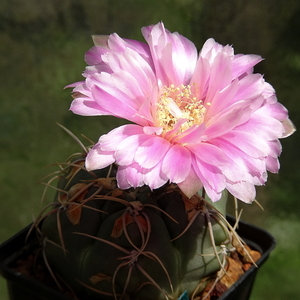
177 103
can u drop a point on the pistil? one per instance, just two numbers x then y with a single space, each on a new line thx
178 104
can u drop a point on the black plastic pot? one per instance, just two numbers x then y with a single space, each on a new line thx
21 287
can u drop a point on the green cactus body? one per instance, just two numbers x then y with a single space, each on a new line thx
134 244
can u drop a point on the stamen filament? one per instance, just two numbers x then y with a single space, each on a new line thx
176 104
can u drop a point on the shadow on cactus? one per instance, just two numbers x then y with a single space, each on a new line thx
106 243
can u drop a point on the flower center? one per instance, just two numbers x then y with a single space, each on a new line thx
179 104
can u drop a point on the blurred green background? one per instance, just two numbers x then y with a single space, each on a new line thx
42 44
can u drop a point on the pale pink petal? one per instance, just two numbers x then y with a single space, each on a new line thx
86 107
94 55
118 44
134 176
152 130
115 44
226 122
272 164
223 103
220 75
249 143
208 153
280 113
211 49
131 62
243 167
154 177
191 185
174 56
244 191
83 103
177 163
263 125
192 135
212 179
122 155
104 152
151 152
112 140
275 110
243 63
250 87
289 128
200 79
246 92
98 159
115 105
129 176
274 148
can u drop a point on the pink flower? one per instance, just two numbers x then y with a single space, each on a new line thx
199 120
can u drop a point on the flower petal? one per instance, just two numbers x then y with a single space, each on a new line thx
111 141
212 179
244 191
122 154
98 159
154 177
191 185
242 167
230 145
289 128
151 152
129 176
177 163
208 153
244 63
174 56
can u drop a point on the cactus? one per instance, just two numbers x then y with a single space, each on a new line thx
202 112
108 243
